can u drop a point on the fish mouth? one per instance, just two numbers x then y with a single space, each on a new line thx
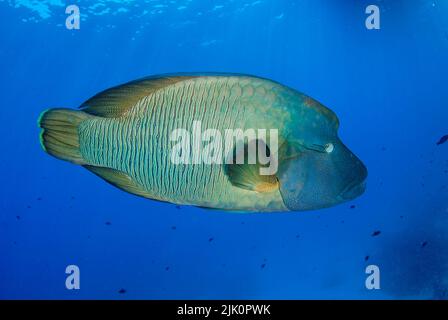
353 190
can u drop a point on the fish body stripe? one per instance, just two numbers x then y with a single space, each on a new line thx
138 143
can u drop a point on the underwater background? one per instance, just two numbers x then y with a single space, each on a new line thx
389 88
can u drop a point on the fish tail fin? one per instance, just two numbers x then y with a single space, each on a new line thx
60 136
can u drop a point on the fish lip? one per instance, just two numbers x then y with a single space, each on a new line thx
353 190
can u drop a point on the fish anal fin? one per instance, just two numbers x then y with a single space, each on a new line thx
120 180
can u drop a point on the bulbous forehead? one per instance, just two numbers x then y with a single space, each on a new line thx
320 110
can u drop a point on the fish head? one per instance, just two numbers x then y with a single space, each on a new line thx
316 170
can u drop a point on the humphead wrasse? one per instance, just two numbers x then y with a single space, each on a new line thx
125 136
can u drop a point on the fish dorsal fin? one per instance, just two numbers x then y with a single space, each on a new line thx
120 180
114 102
247 176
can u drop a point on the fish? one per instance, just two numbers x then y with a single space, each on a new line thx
376 233
124 135
442 140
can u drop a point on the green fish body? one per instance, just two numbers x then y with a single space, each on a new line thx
124 135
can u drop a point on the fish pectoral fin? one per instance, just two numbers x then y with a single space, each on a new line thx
114 102
247 176
120 180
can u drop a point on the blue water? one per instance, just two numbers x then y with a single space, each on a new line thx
388 88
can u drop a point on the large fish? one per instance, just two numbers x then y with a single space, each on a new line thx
125 136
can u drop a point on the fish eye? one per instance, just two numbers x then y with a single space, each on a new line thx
329 147
326 148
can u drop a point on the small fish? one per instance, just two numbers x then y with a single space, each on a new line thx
124 135
352 206
442 140
366 258
376 233
107 223
424 244
122 291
